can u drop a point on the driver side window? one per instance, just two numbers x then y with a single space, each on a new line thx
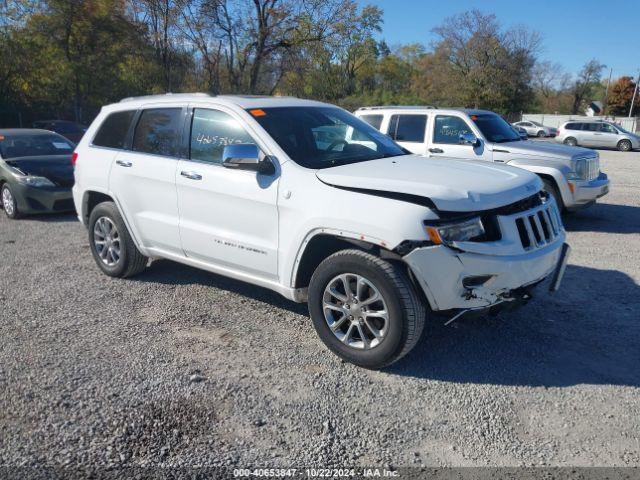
447 129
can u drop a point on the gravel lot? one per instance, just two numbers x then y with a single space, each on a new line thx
182 367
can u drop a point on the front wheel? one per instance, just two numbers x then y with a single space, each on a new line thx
9 204
624 145
549 186
365 309
111 244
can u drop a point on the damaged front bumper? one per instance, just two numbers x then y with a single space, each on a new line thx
455 280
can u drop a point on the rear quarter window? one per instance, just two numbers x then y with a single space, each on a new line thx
113 131
572 126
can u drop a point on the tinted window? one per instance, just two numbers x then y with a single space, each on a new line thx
448 129
322 137
25 145
158 132
374 120
495 128
211 131
407 128
591 127
113 131
572 126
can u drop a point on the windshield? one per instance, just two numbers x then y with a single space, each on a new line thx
322 137
495 129
25 145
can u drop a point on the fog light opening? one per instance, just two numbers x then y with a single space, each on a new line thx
475 281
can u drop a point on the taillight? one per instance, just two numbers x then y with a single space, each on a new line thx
74 158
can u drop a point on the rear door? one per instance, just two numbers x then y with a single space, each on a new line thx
410 131
143 177
590 134
444 139
228 217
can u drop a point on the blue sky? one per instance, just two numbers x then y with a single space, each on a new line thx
573 31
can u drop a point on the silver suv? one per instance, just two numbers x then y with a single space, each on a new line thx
597 133
535 129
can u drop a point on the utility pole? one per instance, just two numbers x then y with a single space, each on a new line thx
633 100
606 93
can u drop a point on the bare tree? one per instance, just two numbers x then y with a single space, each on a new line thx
583 86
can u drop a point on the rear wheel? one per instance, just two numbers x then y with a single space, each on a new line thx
365 309
9 204
624 145
111 244
570 141
541 134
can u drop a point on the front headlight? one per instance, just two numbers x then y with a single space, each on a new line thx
33 181
455 232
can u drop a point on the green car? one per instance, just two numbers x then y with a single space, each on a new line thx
36 173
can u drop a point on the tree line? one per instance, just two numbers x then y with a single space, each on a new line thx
67 58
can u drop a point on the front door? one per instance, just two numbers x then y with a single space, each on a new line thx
228 217
143 178
444 139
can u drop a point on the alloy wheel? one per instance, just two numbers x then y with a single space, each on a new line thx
7 202
355 311
107 241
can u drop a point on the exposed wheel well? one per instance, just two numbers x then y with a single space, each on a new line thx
89 202
320 247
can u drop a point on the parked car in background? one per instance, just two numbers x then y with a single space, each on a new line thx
572 175
535 129
303 198
71 130
597 134
36 174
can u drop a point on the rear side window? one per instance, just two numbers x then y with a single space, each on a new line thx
407 128
113 131
158 132
572 126
211 131
374 120
449 128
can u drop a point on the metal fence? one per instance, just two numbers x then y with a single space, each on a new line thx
631 124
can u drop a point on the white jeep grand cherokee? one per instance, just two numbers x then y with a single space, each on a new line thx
307 200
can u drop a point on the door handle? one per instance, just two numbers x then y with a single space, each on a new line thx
191 175
436 150
123 163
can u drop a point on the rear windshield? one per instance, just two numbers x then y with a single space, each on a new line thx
25 145
322 137
495 129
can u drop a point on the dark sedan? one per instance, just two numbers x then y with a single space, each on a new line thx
71 130
36 174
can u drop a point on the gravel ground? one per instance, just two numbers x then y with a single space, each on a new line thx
179 367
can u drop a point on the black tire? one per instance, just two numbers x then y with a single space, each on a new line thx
624 145
13 213
131 261
552 189
406 312
572 142
541 134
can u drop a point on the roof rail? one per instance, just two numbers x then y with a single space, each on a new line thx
165 96
400 107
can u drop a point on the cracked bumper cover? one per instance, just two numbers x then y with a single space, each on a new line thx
440 271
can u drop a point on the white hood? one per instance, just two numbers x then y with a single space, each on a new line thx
543 149
451 184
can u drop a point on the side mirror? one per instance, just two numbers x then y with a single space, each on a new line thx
469 139
246 156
